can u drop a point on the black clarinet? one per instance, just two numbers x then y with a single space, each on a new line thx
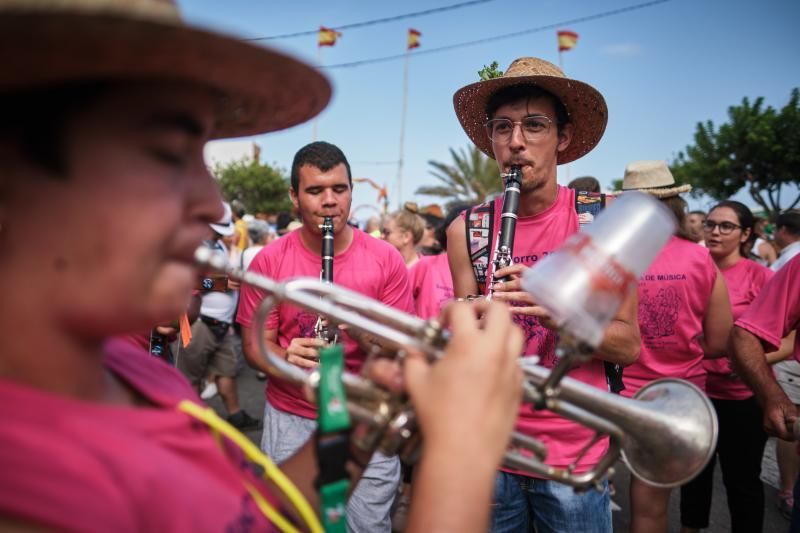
321 328
504 247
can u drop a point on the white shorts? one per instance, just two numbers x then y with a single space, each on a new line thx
787 374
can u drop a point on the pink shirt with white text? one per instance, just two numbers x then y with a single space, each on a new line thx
745 280
369 266
536 237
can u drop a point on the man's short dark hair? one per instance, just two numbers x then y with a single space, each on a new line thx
523 92
321 155
702 213
585 184
791 221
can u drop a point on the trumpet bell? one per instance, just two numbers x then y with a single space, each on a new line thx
676 443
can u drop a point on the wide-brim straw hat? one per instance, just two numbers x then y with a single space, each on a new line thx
585 105
49 42
652 177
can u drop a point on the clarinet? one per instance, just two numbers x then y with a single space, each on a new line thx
321 329
504 246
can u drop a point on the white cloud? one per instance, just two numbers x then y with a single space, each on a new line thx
623 50
225 151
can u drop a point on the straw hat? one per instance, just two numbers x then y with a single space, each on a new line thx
585 105
652 177
46 42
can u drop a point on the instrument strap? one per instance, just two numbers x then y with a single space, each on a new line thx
333 440
479 224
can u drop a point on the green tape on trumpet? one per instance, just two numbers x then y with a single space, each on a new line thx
333 414
333 440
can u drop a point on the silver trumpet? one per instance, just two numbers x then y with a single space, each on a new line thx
666 434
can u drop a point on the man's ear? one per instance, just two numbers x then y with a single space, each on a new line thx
293 197
565 136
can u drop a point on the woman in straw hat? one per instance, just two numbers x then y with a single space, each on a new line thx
684 317
106 107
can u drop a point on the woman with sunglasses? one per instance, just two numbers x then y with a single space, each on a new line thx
728 231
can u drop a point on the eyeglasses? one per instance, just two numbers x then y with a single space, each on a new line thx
534 127
725 228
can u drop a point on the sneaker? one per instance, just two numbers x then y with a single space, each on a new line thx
241 420
261 376
785 503
209 391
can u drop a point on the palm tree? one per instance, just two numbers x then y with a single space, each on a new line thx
472 178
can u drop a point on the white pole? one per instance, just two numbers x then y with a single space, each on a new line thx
402 134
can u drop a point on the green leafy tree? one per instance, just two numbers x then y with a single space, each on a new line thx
260 187
757 149
472 177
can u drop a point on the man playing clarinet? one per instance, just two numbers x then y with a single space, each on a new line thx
321 187
533 118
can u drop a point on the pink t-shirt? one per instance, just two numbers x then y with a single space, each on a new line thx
431 285
535 237
744 280
776 310
369 266
673 297
73 465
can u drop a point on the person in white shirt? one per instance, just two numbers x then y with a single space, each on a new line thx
787 237
212 351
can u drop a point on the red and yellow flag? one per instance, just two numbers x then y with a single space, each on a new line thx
413 38
327 36
566 40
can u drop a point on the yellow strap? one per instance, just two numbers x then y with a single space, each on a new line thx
269 511
271 471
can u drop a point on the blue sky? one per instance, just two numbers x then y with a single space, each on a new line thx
661 69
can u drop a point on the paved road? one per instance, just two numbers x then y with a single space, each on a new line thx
251 392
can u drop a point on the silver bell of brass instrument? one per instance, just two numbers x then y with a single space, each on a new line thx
666 434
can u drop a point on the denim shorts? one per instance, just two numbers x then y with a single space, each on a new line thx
522 502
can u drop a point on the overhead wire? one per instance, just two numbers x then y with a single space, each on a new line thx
373 22
604 14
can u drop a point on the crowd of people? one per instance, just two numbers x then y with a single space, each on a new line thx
104 429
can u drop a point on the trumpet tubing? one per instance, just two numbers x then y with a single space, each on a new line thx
666 433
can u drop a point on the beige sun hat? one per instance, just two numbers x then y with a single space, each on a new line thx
652 177
585 105
45 42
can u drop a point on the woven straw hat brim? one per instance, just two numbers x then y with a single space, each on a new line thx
263 90
586 107
663 192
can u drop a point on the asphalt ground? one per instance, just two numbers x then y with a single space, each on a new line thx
251 398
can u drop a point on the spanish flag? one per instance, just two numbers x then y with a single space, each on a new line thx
327 36
566 40
413 38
